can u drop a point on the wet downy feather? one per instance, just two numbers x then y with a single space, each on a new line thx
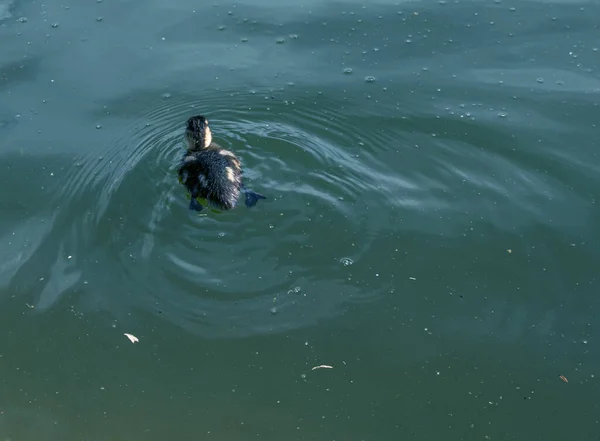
211 172
212 175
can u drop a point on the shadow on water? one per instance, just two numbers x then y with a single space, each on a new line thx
18 71
6 7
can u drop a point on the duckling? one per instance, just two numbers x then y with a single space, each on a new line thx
211 172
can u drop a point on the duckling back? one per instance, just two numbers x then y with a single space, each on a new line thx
214 174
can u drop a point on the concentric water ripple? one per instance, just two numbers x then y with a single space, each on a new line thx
219 274
124 239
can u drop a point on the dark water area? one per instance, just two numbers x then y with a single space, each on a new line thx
431 228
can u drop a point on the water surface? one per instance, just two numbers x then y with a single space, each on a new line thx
430 230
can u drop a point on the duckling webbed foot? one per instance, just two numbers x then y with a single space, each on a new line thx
252 197
195 205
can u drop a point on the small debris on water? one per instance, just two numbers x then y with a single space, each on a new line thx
563 378
346 261
412 278
322 366
296 290
509 251
132 338
54 25
280 40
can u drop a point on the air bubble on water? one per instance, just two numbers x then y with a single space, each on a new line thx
221 28
280 40
370 79
54 25
273 310
408 40
98 127
166 95
22 20
221 234
244 40
502 114
540 80
297 289
99 18
346 261
293 36
348 71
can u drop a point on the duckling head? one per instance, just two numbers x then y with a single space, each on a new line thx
197 133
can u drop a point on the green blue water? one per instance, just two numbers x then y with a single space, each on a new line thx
431 228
